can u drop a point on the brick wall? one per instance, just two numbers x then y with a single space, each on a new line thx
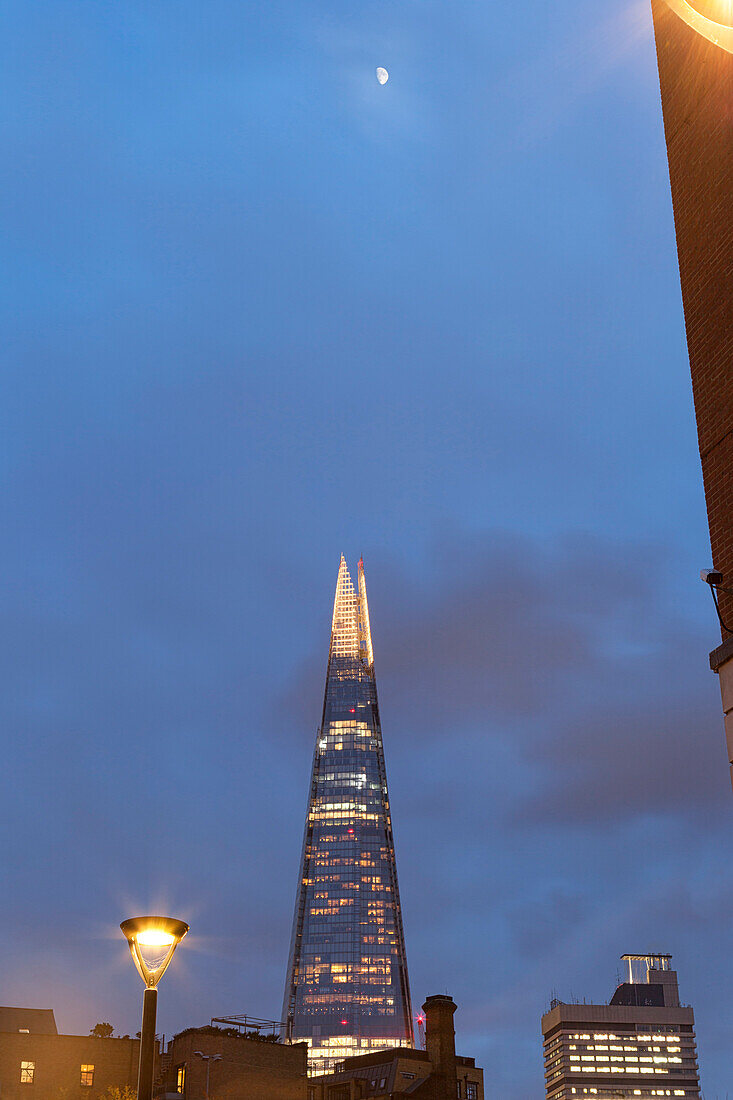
57 1061
696 79
248 1068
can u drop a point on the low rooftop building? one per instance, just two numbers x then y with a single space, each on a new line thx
399 1073
36 1063
239 1067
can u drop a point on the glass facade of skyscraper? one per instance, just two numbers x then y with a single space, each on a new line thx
347 989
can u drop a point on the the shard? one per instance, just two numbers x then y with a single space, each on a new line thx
347 989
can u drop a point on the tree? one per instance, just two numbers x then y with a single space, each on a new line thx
102 1031
114 1092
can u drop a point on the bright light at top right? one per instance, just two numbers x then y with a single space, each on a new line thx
720 33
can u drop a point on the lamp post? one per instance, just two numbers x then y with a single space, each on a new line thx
208 1058
152 942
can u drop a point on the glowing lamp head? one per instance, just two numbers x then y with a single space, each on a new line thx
152 942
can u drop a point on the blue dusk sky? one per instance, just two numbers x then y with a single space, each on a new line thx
260 310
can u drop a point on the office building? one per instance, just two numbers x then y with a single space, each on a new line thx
641 1044
347 989
695 56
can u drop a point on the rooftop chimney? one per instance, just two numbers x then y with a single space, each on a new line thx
440 1042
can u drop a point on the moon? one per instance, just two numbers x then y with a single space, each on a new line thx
719 33
382 75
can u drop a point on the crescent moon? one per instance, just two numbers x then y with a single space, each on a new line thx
719 33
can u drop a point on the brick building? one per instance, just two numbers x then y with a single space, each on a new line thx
695 57
436 1073
36 1063
246 1069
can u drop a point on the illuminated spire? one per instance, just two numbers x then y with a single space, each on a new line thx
347 989
350 634
345 624
365 633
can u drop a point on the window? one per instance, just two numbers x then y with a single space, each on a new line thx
458 1089
87 1075
471 1090
181 1078
27 1072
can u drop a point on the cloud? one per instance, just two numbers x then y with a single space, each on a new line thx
568 658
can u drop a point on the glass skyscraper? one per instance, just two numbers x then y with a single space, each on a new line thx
347 990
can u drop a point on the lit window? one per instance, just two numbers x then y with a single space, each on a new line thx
86 1074
27 1071
181 1078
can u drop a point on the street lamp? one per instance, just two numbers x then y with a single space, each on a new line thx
208 1058
152 942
